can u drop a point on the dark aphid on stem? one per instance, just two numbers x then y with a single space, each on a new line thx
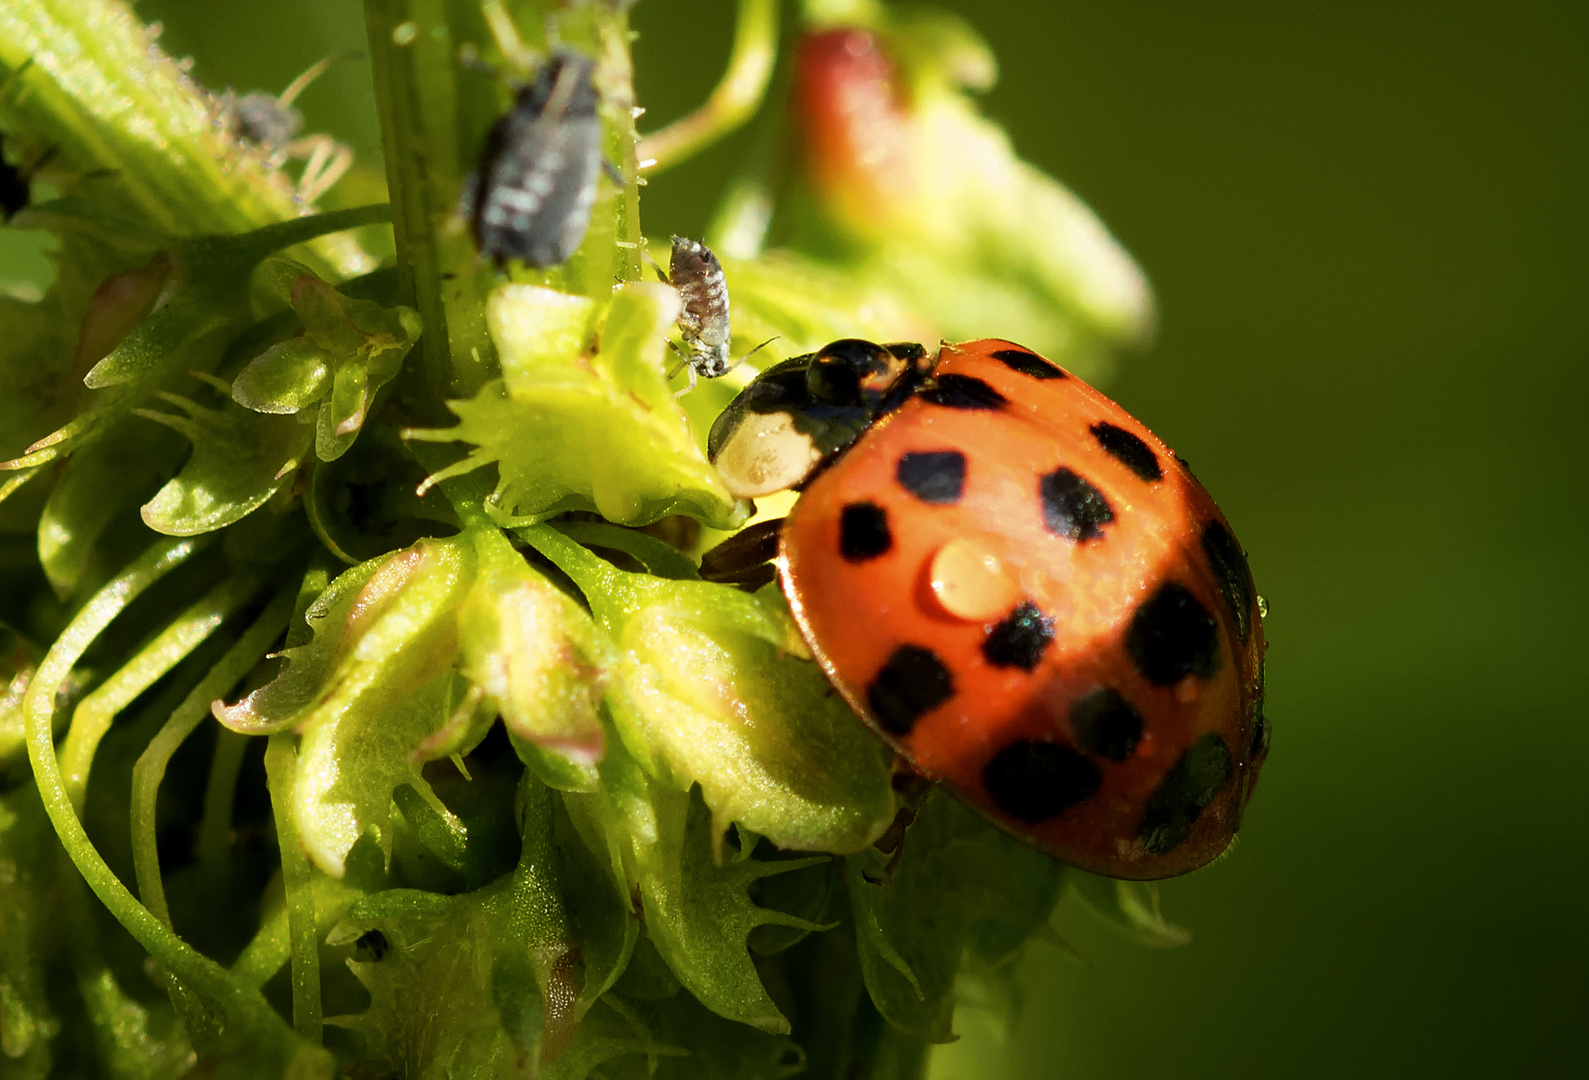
532 193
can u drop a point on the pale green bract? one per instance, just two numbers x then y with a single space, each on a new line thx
577 425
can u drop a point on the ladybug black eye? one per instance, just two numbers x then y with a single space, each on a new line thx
833 381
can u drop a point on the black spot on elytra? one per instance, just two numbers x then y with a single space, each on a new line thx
1182 795
1035 781
1127 449
863 532
1072 507
1230 570
1105 724
1172 636
912 683
1028 363
934 476
1020 638
962 392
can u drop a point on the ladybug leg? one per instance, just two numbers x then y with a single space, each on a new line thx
746 558
912 788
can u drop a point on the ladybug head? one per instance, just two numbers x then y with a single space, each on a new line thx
855 372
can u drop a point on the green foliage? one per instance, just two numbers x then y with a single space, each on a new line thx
664 862
607 435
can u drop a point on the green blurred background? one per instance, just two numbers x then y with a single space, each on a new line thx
1367 227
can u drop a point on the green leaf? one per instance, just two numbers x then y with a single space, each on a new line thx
349 349
699 913
697 910
352 759
239 460
367 694
573 430
470 985
289 376
100 484
1130 908
959 882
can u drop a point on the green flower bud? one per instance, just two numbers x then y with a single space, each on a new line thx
537 659
713 686
365 693
348 350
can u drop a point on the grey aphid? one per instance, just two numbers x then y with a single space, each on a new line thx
703 322
272 124
265 120
532 193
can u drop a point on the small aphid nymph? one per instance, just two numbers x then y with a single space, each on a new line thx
272 124
703 323
532 193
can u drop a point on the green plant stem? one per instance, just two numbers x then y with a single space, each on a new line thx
735 98
412 54
151 766
657 557
281 768
198 972
179 638
220 792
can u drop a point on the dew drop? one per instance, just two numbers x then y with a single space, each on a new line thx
972 581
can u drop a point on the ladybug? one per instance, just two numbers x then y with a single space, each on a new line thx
1020 588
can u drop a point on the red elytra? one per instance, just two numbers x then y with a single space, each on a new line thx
1031 598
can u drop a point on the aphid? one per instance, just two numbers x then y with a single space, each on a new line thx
532 192
703 323
1017 586
272 124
